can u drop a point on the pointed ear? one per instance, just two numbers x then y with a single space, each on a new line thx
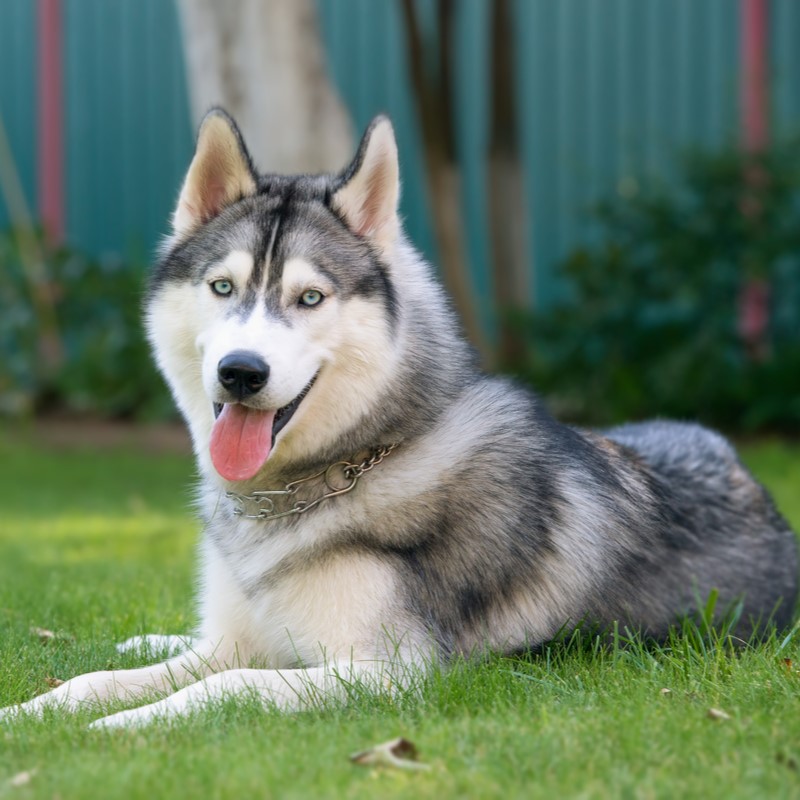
220 173
369 190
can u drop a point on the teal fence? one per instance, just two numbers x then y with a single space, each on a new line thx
127 132
609 91
18 92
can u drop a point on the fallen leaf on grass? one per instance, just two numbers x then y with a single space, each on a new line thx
788 761
665 692
46 636
22 778
52 682
398 753
790 668
717 714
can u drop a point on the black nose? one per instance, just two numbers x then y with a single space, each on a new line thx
242 373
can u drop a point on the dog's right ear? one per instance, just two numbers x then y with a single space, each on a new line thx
221 173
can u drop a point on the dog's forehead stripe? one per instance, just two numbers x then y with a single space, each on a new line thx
262 245
282 217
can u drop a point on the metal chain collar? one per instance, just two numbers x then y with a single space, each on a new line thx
262 504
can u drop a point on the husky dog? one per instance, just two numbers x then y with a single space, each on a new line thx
373 502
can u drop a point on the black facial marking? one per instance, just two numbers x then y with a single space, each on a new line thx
379 283
273 302
283 415
287 218
282 215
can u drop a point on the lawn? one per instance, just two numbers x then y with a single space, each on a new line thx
96 546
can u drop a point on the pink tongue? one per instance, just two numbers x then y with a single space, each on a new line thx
240 441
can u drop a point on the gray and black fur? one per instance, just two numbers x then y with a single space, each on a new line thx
634 526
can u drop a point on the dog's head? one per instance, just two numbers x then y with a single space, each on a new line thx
271 311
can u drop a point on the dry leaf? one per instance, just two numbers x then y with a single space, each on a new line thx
718 714
398 753
788 666
788 761
665 692
44 635
52 682
22 778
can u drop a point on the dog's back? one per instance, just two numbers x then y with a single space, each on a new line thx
721 528
530 526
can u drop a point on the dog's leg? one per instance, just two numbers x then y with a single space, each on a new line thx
290 690
127 684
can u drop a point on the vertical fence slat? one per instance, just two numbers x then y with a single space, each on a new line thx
609 90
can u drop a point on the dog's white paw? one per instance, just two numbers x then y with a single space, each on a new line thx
156 644
122 719
133 717
78 693
33 708
36 707
9 712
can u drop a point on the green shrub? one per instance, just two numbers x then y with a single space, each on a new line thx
97 360
649 326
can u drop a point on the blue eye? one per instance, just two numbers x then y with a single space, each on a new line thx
311 298
222 287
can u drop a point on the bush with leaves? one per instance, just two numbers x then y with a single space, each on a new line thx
101 364
651 324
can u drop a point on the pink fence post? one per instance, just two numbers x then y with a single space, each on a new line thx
754 42
754 298
50 160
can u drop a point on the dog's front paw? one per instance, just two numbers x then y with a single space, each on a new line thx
33 708
133 717
9 712
156 644
121 720
81 692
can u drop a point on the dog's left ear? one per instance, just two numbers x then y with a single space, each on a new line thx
369 188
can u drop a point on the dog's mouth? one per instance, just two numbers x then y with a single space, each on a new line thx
242 437
283 415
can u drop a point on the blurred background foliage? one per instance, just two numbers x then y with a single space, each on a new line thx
92 357
650 325
688 307
678 295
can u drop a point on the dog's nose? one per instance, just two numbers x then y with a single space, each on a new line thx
242 373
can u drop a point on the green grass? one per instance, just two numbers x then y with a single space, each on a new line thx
99 546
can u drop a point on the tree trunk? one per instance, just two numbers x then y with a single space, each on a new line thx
431 79
263 62
444 182
507 208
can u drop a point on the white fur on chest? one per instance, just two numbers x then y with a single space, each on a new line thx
265 587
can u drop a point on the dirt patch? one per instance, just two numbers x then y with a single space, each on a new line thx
66 433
